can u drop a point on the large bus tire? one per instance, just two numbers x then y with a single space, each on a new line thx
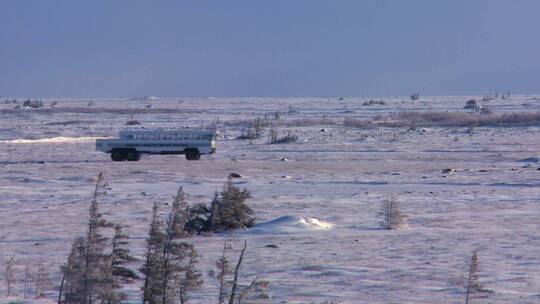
117 156
133 155
192 154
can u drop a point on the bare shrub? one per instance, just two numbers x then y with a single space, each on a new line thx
223 269
487 97
414 96
9 275
288 138
236 271
238 293
394 137
272 136
248 134
391 216
260 124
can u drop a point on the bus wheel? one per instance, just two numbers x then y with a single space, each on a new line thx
117 156
192 154
133 156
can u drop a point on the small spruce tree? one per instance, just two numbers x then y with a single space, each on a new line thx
119 273
27 277
191 278
223 270
229 210
71 286
177 253
42 281
96 260
473 287
169 269
9 275
152 267
87 276
391 215
234 287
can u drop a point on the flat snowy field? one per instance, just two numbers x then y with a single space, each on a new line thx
489 202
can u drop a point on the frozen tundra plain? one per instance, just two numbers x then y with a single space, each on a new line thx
490 201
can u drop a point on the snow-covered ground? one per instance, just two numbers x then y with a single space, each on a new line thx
317 198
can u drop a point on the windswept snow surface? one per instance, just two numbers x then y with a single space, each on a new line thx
53 140
290 224
316 200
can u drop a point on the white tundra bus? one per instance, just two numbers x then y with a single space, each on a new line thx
132 144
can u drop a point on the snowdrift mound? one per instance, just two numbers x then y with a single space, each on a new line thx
290 224
60 139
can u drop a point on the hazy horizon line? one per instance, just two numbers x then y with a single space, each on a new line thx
284 96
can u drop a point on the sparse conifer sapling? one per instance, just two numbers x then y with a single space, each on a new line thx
473 286
391 216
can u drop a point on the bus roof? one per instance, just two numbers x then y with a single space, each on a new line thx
153 132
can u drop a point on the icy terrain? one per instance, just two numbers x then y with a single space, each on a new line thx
317 199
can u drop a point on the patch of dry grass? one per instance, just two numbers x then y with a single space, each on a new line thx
449 119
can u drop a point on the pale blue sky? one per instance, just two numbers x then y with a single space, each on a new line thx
113 48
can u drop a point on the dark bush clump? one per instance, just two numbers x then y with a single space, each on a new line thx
288 138
373 102
227 211
34 104
471 104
